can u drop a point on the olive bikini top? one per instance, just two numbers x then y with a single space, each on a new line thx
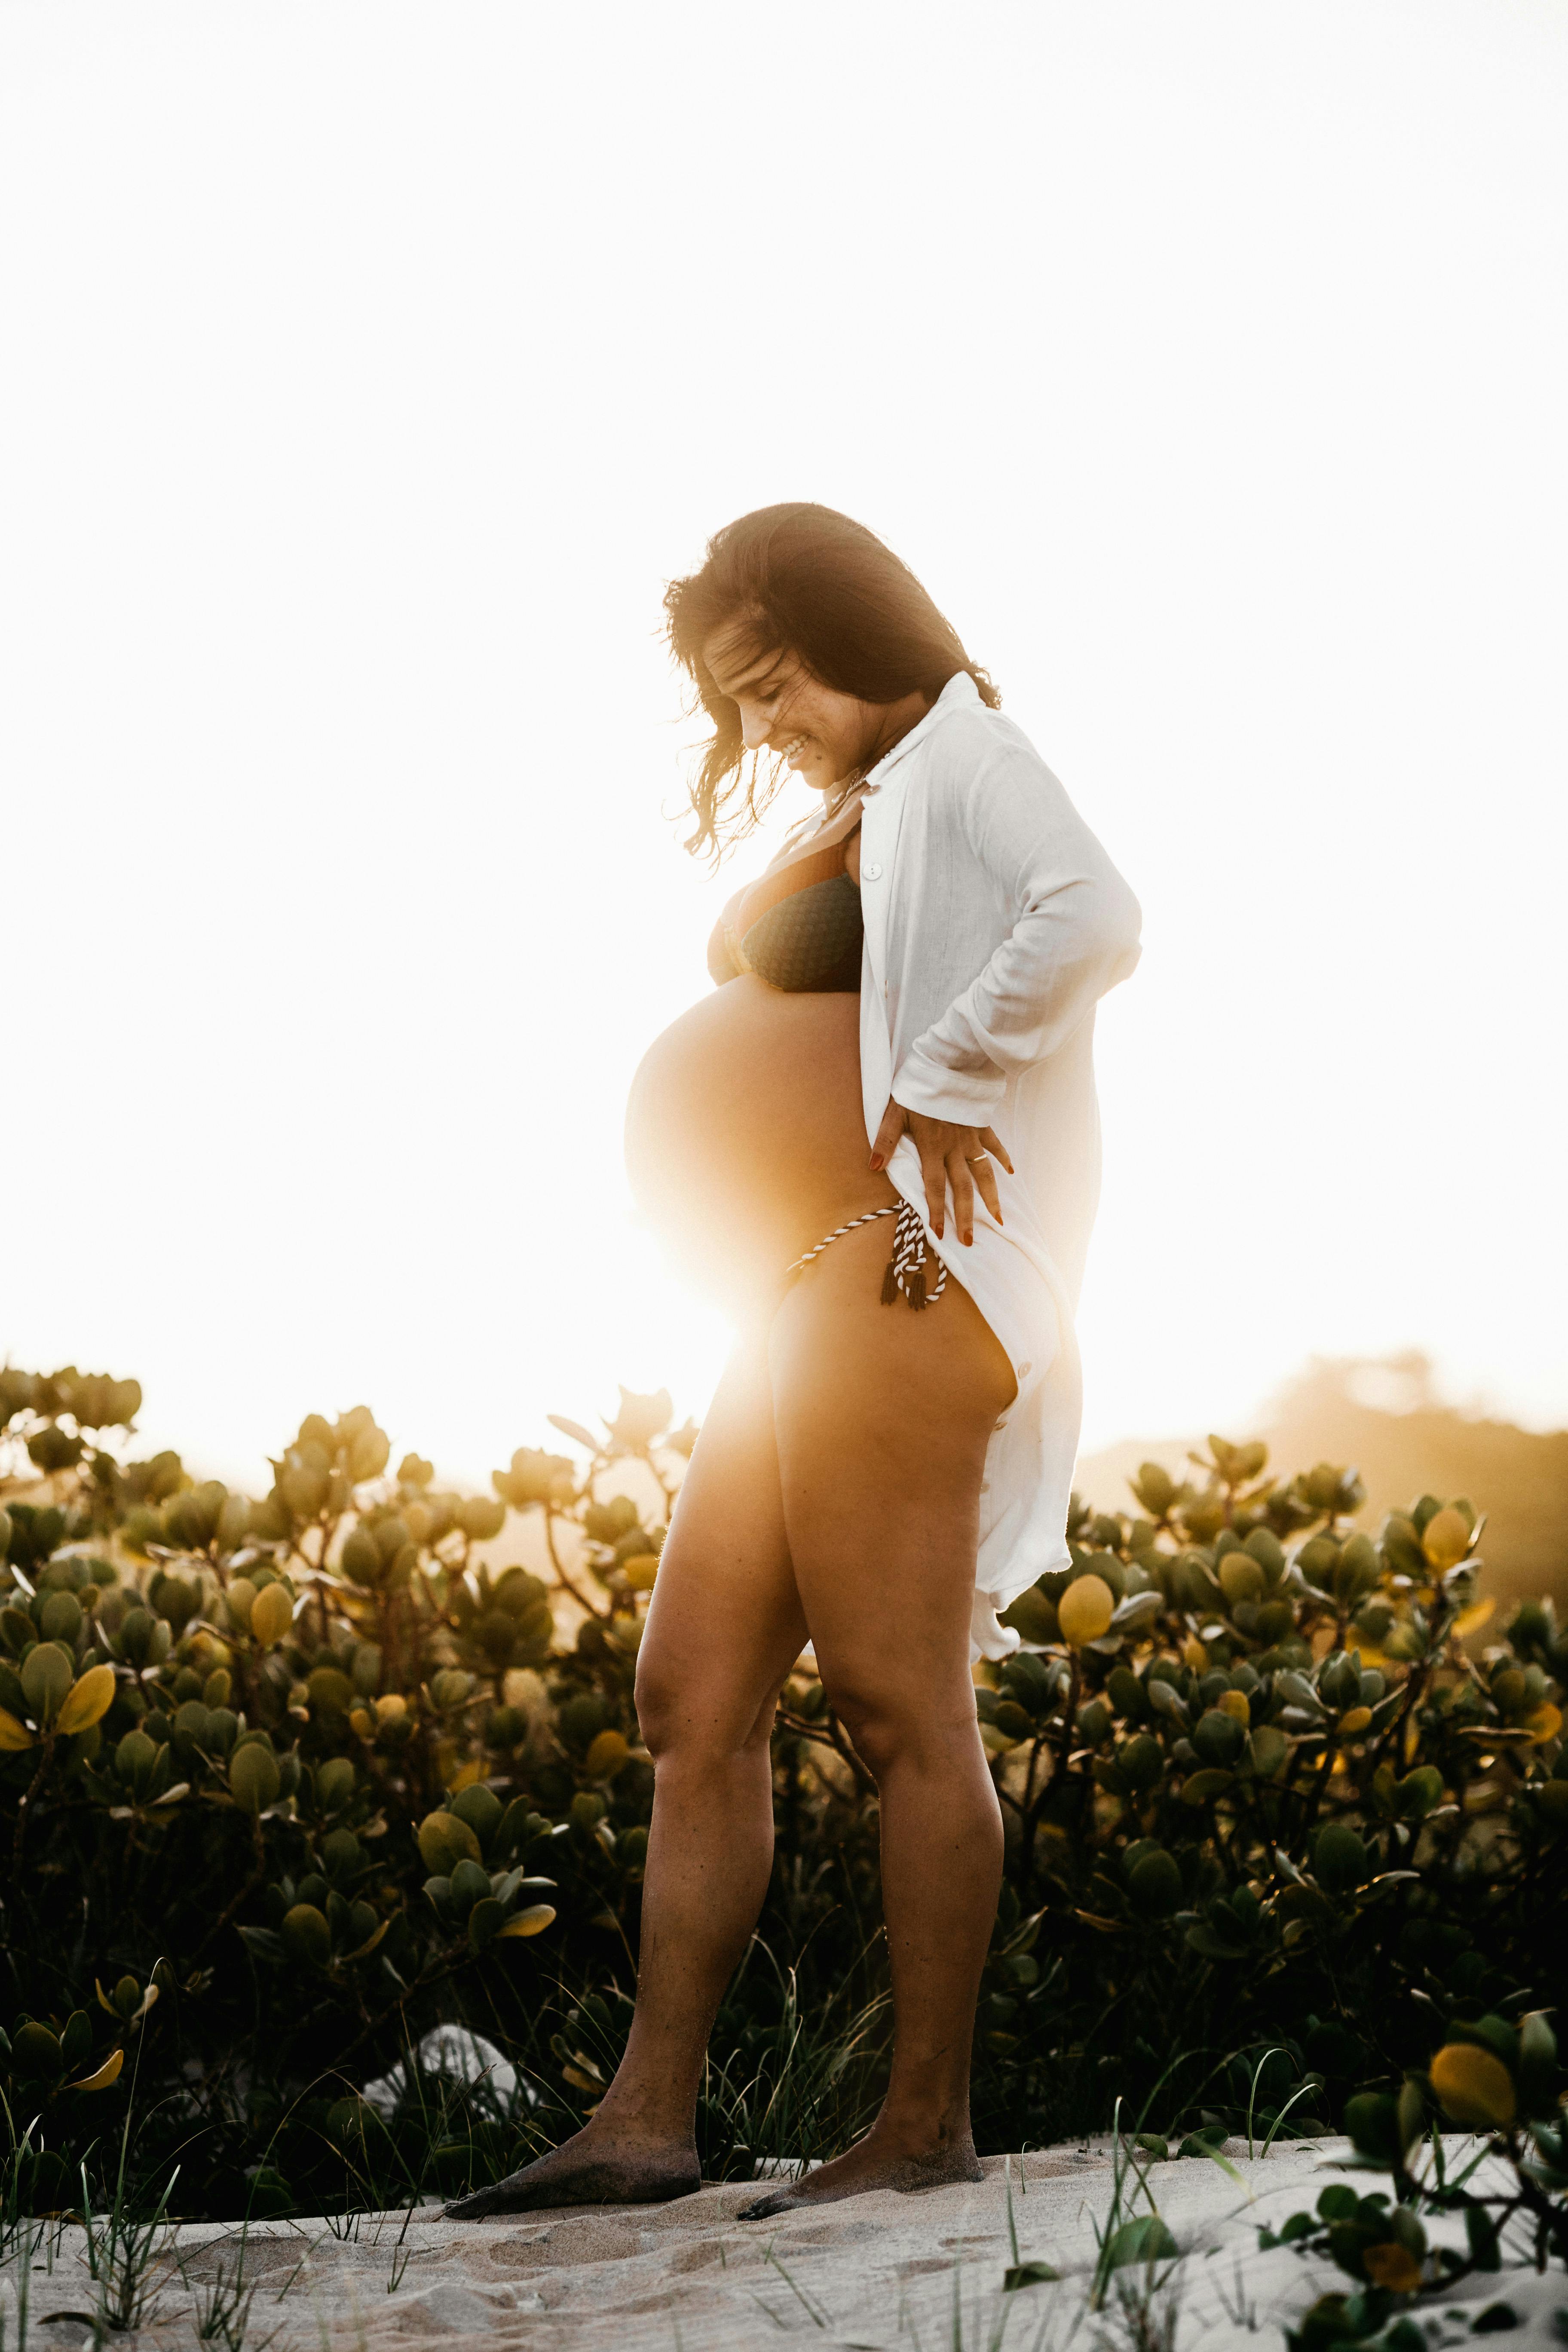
799 927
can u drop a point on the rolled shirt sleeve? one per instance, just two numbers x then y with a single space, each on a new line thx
1075 934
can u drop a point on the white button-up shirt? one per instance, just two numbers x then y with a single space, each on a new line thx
994 922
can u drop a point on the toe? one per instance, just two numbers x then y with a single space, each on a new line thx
765 2208
478 2205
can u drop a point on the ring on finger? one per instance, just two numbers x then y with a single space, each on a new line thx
974 1158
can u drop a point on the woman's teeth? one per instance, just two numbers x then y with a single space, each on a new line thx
796 743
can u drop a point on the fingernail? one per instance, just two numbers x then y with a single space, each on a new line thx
876 1159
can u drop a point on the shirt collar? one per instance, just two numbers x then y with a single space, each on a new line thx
960 688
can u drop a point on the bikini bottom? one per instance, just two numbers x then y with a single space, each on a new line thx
905 1274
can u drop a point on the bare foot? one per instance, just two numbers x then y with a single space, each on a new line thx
872 2164
587 2171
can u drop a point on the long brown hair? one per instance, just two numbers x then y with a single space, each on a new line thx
812 582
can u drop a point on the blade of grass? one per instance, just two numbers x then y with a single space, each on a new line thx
1252 2089
799 2293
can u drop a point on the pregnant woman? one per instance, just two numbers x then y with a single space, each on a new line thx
877 1143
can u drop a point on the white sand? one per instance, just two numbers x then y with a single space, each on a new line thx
909 2274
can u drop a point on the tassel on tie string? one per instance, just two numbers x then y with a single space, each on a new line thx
907 1267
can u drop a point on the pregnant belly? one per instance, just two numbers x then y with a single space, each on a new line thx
745 1135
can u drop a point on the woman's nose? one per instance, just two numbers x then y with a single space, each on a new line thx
755 729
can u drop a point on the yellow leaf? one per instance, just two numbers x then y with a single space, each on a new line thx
271 1614
1194 1657
1470 1619
1391 2265
1473 2087
579 2081
537 1916
1083 1612
1545 1723
1411 1738
1235 1702
13 1735
1356 1720
606 1756
88 1701
363 1723
108 2073
1447 1538
641 1570
465 1777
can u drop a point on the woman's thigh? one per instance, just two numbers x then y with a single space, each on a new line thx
883 1417
725 1625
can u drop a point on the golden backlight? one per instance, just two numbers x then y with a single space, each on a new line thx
368 372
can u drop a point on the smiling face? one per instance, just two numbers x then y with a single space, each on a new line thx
823 735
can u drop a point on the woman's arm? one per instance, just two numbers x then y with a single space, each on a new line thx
1074 936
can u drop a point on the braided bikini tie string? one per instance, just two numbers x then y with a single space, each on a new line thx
906 1268
838 1233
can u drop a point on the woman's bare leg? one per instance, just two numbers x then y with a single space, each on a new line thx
883 1418
724 1630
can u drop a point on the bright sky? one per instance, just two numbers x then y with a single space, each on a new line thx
368 369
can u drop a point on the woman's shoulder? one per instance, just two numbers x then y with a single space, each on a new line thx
976 746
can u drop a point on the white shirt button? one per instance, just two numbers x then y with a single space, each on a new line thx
1023 1370
870 873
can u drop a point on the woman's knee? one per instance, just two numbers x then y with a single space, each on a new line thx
889 1723
656 1697
681 1713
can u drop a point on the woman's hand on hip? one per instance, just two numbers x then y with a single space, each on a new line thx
959 1156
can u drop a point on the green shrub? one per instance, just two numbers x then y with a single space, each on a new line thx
1491 2077
301 1777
